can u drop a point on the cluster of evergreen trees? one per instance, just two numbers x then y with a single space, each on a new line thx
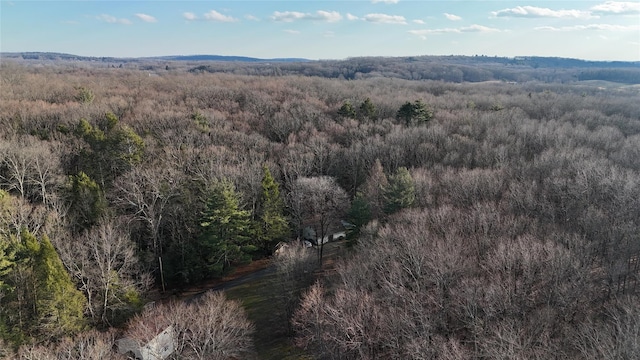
230 236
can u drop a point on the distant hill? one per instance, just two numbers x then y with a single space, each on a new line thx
451 68
50 56
224 58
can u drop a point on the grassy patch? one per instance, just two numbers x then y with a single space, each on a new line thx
260 298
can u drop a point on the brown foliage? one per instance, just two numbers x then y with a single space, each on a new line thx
210 327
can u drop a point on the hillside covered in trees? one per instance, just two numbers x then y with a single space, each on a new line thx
489 219
450 68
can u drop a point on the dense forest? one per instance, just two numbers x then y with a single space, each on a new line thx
488 220
450 68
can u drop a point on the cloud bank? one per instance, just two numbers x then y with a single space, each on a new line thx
385 19
538 12
320 15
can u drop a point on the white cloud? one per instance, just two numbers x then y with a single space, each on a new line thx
352 17
216 16
329 34
287 16
113 20
601 27
189 16
320 15
452 17
538 12
478 28
466 29
146 18
385 19
294 32
384 1
617 7
329 16
418 21
251 17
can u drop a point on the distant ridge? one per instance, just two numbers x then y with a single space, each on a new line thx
223 58
51 56
447 68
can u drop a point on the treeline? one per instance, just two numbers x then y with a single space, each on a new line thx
624 76
456 69
487 215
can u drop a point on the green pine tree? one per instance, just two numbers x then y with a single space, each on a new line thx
226 230
400 192
414 113
367 110
112 149
86 201
273 225
59 306
347 110
359 215
7 261
7 254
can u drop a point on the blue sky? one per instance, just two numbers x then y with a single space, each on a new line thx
594 30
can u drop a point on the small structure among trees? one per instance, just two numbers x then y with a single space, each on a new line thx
158 348
210 327
319 202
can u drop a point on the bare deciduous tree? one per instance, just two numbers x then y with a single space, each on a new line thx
210 327
104 262
91 345
320 203
146 194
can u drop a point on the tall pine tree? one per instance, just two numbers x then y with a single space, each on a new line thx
59 305
7 261
273 226
226 230
359 215
7 254
400 192
367 110
44 303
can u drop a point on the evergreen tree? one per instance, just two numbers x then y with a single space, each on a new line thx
44 303
7 261
273 224
86 201
367 110
414 113
7 254
60 306
112 149
226 234
347 110
400 192
359 215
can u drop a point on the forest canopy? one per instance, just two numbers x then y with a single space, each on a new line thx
487 220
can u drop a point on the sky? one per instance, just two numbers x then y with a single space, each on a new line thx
591 30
